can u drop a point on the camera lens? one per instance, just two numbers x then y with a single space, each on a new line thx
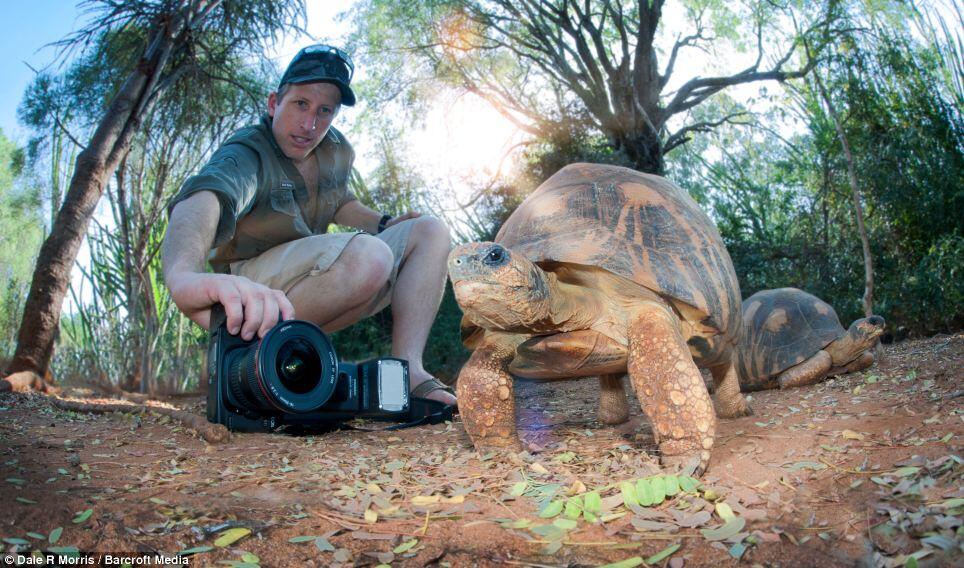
299 366
291 369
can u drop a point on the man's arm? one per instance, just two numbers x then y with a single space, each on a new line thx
251 308
354 214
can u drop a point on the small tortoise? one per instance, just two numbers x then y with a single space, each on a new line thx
792 338
601 271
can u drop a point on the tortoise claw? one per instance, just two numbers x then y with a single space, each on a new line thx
686 464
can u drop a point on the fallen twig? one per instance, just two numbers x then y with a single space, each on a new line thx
212 433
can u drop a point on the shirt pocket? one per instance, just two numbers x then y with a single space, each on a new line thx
283 201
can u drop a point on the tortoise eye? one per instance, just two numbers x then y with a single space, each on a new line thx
495 256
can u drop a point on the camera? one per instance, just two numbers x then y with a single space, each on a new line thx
292 377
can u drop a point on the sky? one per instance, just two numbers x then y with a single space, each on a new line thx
26 27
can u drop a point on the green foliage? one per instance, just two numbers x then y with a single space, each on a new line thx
784 206
21 230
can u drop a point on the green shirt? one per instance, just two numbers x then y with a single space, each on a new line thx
264 201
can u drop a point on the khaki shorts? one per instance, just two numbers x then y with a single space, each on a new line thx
285 265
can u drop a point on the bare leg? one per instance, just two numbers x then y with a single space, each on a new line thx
613 407
485 394
670 389
729 400
417 295
811 371
341 295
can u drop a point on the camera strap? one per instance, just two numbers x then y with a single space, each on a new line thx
417 417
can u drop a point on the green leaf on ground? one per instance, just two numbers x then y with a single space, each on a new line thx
565 524
322 544
405 546
54 535
628 491
725 512
726 531
688 484
83 516
231 536
663 554
906 471
593 502
551 509
644 492
573 508
659 489
628 563
299 539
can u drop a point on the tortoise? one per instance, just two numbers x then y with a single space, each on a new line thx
602 271
792 338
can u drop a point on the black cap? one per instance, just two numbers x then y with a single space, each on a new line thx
325 63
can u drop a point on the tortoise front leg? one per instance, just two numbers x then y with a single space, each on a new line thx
811 371
726 386
613 407
484 391
865 360
670 388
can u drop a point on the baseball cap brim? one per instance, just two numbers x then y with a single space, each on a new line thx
347 95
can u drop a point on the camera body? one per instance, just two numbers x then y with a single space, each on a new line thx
292 377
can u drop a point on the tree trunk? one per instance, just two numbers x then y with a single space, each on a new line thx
645 153
95 164
868 299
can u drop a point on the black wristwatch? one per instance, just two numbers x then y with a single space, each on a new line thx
384 221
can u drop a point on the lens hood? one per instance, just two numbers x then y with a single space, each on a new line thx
296 367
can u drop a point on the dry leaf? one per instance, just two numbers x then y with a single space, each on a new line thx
851 435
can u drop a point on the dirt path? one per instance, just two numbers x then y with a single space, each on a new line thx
861 469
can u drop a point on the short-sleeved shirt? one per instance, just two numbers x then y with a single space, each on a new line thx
264 201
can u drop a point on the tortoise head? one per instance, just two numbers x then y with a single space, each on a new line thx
865 331
497 288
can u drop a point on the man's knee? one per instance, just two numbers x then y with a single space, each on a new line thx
367 263
428 229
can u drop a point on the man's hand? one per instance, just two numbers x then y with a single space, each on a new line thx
400 218
251 308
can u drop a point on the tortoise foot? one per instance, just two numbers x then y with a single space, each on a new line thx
734 410
613 406
686 464
499 446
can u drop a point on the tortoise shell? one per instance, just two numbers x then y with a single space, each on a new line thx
638 226
782 328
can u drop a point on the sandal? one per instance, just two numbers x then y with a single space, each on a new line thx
429 386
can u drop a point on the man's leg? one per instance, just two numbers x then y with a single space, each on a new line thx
342 295
417 295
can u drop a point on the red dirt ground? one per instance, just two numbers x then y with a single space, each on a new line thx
860 470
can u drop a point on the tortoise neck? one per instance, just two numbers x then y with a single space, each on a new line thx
570 307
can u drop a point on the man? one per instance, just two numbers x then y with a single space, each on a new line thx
263 203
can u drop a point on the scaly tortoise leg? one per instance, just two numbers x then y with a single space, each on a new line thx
726 386
670 389
484 392
613 407
811 371
865 360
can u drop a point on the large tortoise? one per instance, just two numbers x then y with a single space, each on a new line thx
602 271
792 338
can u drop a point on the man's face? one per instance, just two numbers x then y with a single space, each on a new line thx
303 116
